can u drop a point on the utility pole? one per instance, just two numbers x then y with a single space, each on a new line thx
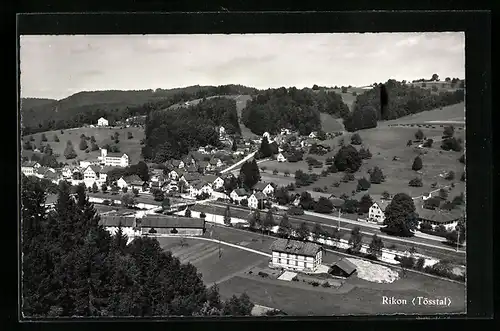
458 238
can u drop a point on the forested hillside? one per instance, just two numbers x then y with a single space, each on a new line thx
291 108
86 107
28 103
72 267
170 133
403 100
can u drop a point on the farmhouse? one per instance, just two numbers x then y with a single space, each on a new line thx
113 159
281 158
449 219
168 224
239 194
85 164
257 200
296 255
265 188
376 212
342 268
102 122
29 167
130 182
285 131
200 187
94 174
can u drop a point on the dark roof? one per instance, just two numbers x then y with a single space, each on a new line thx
42 170
317 195
347 266
29 163
197 156
199 184
51 175
214 161
203 164
95 168
260 186
167 221
114 154
114 220
241 191
296 247
209 178
192 168
191 176
439 216
105 170
176 162
132 179
260 196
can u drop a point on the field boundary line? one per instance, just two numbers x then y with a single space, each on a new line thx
220 242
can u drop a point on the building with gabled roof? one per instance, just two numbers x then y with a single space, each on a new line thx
296 255
342 268
171 225
28 168
239 194
257 200
113 159
266 188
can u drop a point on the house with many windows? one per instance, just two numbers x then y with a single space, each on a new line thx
376 212
171 225
113 159
296 255
257 200
95 174
28 168
239 194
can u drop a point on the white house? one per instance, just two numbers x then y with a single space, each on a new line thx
313 135
281 158
222 132
40 172
128 225
85 164
265 188
376 212
257 200
296 255
199 188
28 168
218 183
102 122
113 159
177 164
94 174
174 174
267 135
67 171
285 131
239 194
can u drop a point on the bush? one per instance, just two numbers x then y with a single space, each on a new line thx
326 284
419 265
263 274
314 283
106 202
416 182
295 279
407 262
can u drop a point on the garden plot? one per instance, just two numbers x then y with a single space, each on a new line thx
374 272
287 275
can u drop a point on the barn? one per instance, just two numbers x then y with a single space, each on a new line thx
342 268
170 224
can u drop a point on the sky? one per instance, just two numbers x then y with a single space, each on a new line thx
58 66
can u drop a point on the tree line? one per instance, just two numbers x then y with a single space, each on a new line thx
87 107
72 266
403 100
171 133
274 109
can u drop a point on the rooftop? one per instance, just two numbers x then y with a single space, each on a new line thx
241 192
295 247
260 196
346 265
115 220
260 186
168 221
438 215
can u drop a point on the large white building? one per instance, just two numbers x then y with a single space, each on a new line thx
376 212
102 122
296 255
113 159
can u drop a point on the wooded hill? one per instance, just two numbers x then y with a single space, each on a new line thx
87 107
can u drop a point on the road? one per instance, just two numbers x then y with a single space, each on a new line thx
423 245
246 158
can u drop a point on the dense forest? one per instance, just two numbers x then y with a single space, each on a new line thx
403 100
291 108
171 133
71 266
87 107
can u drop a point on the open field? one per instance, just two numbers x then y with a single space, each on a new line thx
131 147
385 143
449 113
348 98
356 296
330 123
204 255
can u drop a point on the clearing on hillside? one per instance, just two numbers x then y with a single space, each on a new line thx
330 123
131 147
435 117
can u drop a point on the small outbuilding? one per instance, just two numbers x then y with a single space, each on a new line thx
342 268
